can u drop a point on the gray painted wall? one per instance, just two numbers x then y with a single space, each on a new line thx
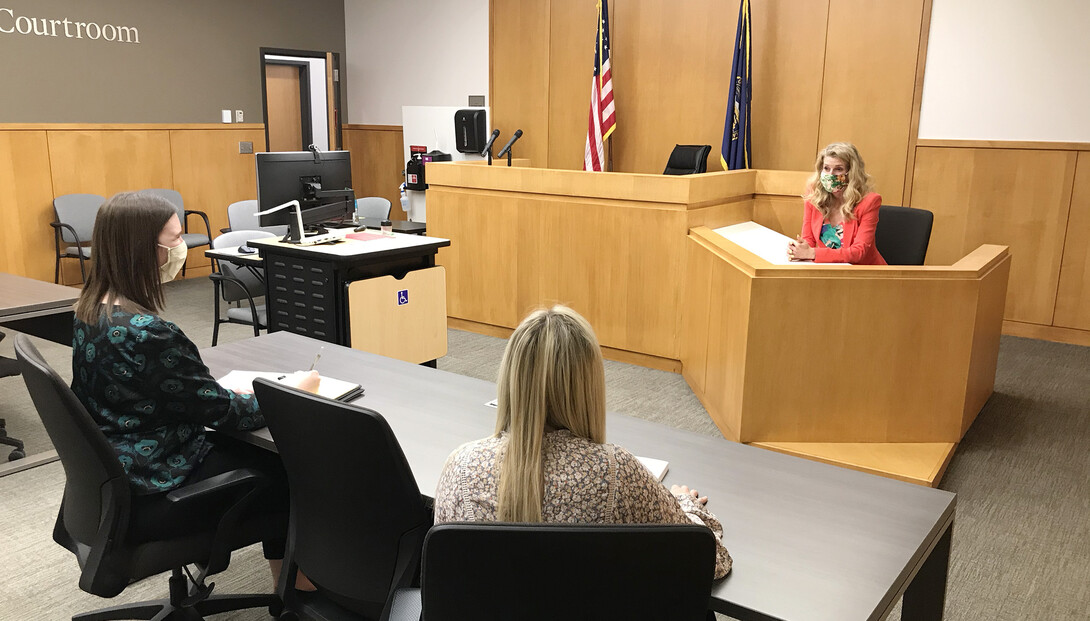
195 57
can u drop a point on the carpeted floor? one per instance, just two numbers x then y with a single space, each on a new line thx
1021 547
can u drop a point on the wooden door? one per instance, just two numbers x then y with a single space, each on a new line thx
285 107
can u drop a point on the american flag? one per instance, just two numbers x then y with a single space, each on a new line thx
603 119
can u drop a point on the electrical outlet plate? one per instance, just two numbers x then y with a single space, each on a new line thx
245 147
238 116
476 101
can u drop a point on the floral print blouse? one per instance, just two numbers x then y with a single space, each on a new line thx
585 483
831 236
145 385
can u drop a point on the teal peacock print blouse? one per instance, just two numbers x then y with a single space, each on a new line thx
145 385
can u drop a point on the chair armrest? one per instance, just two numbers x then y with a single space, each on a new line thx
57 226
235 482
225 230
204 216
223 280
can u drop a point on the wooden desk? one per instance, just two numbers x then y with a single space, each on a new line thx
809 541
880 368
42 309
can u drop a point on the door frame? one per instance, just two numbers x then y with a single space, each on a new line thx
333 120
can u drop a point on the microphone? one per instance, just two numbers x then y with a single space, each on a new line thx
507 147
317 157
488 145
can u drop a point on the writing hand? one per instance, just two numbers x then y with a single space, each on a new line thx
683 490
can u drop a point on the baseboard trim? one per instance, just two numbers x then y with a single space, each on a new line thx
28 462
1056 334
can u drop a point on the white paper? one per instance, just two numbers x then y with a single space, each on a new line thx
328 387
657 467
764 242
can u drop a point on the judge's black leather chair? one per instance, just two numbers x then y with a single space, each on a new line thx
357 518
95 514
903 234
688 159
494 571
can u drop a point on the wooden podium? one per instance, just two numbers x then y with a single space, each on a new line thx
876 368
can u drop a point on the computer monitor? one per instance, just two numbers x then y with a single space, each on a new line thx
321 182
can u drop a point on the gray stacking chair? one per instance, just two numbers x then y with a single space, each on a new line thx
373 207
235 284
240 217
192 240
75 215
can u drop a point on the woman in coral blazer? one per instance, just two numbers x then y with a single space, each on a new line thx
841 211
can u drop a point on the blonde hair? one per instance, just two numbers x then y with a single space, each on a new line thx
551 376
858 181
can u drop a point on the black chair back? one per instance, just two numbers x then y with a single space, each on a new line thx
688 159
903 234
357 518
96 493
486 571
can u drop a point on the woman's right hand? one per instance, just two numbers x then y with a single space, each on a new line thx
683 490
304 380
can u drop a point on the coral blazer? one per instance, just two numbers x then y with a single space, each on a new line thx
857 243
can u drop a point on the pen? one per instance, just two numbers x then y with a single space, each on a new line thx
316 358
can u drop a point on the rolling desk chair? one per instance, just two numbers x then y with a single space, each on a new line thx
903 234
75 221
688 159
241 217
234 284
497 571
192 240
9 368
357 518
373 207
96 514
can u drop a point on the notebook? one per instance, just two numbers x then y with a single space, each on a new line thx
657 467
328 387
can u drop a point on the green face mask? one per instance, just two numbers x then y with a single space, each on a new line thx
832 182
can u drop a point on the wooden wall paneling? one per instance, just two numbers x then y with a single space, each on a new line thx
728 337
869 79
210 174
779 213
1073 293
917 100
1014 198
788 59
378 161
571 48
671 73
519 82
26 205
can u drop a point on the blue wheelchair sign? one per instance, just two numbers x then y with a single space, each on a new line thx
403 297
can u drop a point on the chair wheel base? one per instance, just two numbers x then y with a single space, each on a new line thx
16 454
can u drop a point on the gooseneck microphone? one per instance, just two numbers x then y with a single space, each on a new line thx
507 147
488 145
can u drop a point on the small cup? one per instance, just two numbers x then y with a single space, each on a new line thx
387 228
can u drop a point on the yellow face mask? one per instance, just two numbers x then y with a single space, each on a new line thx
175 259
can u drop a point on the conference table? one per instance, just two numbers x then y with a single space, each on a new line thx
810 541
41 309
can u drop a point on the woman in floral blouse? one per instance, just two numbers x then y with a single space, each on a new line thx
548 461
143 381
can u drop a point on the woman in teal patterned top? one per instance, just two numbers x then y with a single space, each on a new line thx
143 381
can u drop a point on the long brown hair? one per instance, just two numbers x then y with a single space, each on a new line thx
858 181
551 376
125 256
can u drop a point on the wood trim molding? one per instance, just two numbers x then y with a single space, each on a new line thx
917 101
125 126
1043 145
1056 334
373 128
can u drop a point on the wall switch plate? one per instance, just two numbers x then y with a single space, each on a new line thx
476 101
238 116
245 147
225 116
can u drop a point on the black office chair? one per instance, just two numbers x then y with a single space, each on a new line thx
688 159
192 240
93 522
234 285
75 220
357 518
485 571
9 368
903 234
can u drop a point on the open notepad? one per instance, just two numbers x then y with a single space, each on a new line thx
338 390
